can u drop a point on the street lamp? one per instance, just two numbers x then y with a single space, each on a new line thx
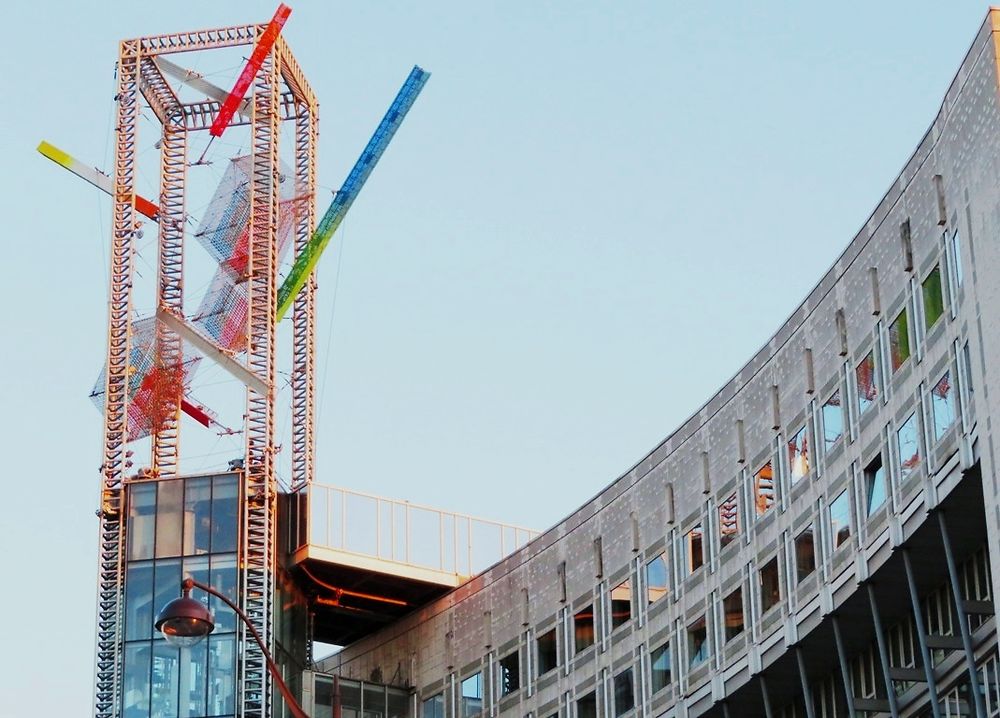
185 621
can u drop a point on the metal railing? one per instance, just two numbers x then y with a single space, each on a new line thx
408 533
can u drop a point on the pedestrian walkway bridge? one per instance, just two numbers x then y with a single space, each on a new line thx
372 559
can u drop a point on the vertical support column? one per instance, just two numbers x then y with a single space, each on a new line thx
845 675
960 617
303 332
768 709
107 677
883 652
804 680
258 545
918 621
169 353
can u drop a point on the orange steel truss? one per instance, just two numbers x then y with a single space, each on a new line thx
279 93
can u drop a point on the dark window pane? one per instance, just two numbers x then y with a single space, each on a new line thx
621 603
225 516
624 694
547 657
694 549
433 707
583 628
586 707
805 553
770 586
732 606
197 516
510 673
374 698
139 610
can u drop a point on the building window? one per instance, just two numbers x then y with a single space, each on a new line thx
621 603
659 661
698 651
624 693
899 341
770 587
840 520
729 521
805 553
933 297
472 695
547 657
732 607
909 446
833 420
583 628
943 405
956 257
656 578
875 487
798 455
694 549
433 707
867 383
763 489
586 707
510 673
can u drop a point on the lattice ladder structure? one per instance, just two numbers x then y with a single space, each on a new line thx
139 78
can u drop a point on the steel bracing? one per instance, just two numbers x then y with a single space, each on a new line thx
279 92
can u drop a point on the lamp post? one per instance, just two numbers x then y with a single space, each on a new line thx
184 621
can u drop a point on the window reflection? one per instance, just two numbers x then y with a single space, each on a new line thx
899 341
656 578
472 695
840 519
833 420
624 692
805 554
763 489
433 707
659 659
732 606
139 600
621 603
933 297
798 455
770 587
169 517
729 522
875 485
197 516
909 446
698 649
141 521
583 629
943 406
694 549
867 383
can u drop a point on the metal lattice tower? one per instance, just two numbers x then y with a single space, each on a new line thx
279 93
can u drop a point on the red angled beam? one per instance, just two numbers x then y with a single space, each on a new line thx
260 52
196 412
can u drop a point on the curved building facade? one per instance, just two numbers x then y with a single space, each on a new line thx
819 539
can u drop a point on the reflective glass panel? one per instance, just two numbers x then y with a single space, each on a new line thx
223 579
139 610
164 685
943 405
833 420
472 695
621 603
197 516
933 297
875 485
732 606
222 672
956 256
169 517
798 455
698 650
510 673
547 657
193 679
656 578
141 520
586 707
899 341
840 519
764 489
805 553
136 680
583 628
433 707
225 516
729 520
867 383
624 694
167 582
660 661
770 587
694 549
909 446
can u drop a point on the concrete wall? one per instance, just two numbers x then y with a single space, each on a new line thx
748 422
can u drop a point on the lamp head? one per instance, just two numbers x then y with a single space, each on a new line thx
185 621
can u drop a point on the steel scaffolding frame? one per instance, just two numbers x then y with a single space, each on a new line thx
139 78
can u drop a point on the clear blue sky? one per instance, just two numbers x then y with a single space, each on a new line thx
593 216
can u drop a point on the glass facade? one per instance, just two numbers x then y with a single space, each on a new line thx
178 528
